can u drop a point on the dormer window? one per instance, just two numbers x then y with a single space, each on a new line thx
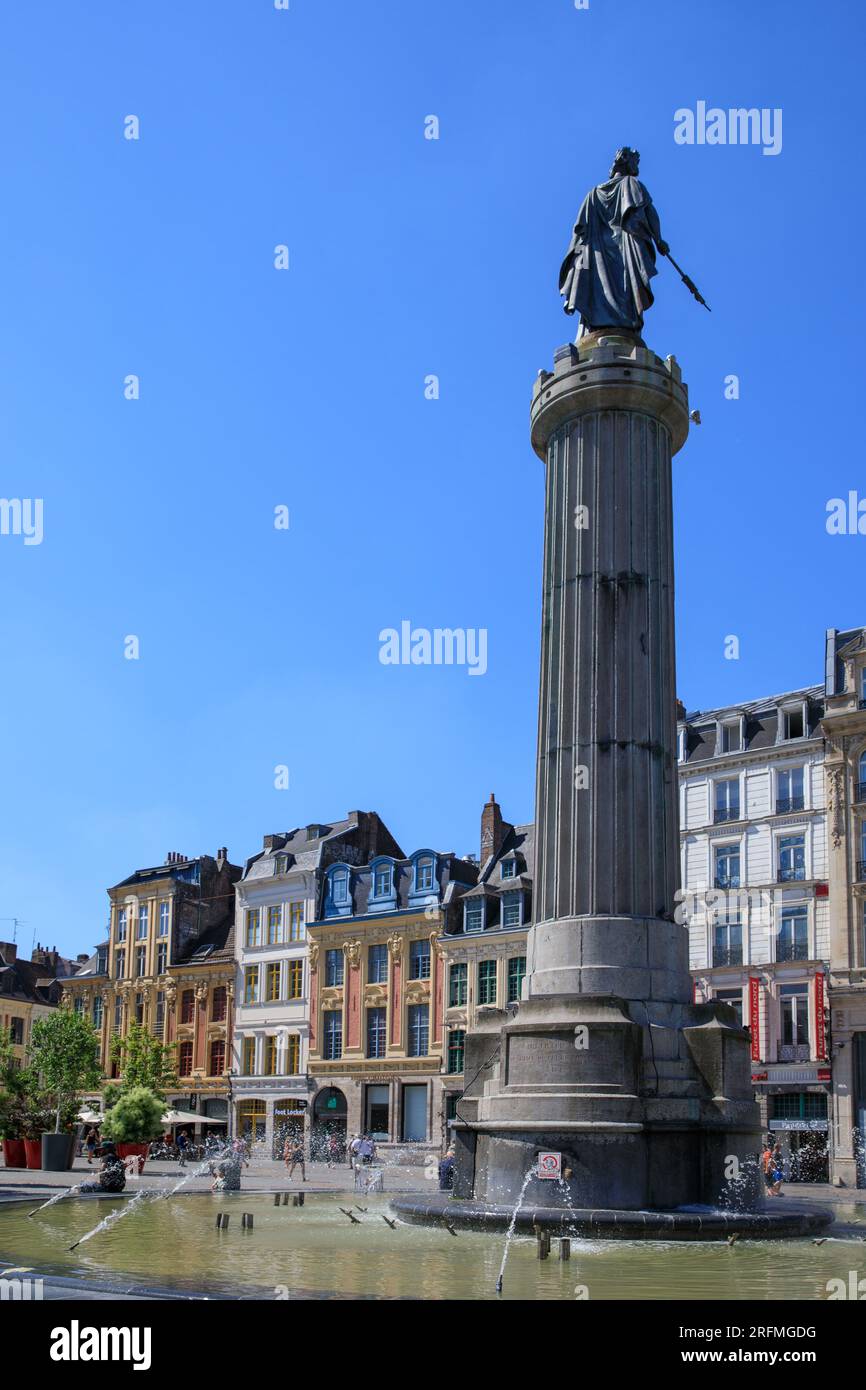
473 915
793 722
382 877
512 909
730 737
280 864
423 875
862 698
508 868
340 886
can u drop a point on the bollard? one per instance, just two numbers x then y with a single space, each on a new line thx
247 1221
565 1248
295 1201
276 1199
286 1196
222 1221
301 1196
543 1245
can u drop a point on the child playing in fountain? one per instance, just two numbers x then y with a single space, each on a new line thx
227 1173
112 1175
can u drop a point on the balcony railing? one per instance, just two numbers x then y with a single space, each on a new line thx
794 1052
727 880
795 874
784 804
728 955
726 813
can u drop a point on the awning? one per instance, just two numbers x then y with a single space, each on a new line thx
186 1117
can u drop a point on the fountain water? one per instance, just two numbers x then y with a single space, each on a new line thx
509 1235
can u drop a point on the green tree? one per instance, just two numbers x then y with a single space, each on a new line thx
64 1053
135 1117
144 1061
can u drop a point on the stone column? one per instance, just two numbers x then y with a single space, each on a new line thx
606 422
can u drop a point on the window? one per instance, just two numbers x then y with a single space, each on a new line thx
419 960
512 909
275 926
139 1009
377 965
860 789
334 967
457 985
419 1030
423 875
98 1011
516 972
219 1005
16 1032
799 1105
254 927
296 979
789 790
141 960
78 1005
508 868
119 965
102 960
727 800
161 958
121 924
184 1059
792 858
251 984
293 1054
794 1003
142 922
473 915
159 1017
272 982
382 881
487 982
280 864
187 1006
333 1039
296 921
730 740
340 886
734 997
376 1037
728 943
793 939
217 1061
456 1047
862 700
248 1057
727 859
270 1067
118 1014
163 919
792 723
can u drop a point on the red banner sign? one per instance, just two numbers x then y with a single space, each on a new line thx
755 1016
820 1030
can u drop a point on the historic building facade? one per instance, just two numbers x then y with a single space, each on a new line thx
28 991
377 979
276 898
844 726
485 946
168 964
753 824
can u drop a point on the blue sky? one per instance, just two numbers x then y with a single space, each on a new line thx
306 388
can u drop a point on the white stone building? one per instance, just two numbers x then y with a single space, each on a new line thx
753 824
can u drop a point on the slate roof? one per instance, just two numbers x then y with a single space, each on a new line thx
761 721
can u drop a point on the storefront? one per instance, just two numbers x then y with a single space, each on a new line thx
290 1118
795 1109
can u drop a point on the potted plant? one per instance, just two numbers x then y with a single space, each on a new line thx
35 1117
133 1120
64 1053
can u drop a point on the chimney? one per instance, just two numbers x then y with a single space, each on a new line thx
681 710
222 856
8 952
491 829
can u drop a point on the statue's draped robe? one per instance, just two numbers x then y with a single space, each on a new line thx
606 274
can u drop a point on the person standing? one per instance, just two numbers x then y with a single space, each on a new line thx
91 1143
353 1151
182 1143
296 1159
446 1171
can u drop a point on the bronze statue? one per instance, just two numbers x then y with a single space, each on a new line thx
607 270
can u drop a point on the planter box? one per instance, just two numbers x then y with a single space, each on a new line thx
33 1150
14 1153
139 1151
58 1152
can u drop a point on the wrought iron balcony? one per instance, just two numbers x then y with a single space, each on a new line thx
792 950
796 874
727 955
784 804
794 1052
731 880
725 813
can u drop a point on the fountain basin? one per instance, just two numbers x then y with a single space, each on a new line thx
786 1221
